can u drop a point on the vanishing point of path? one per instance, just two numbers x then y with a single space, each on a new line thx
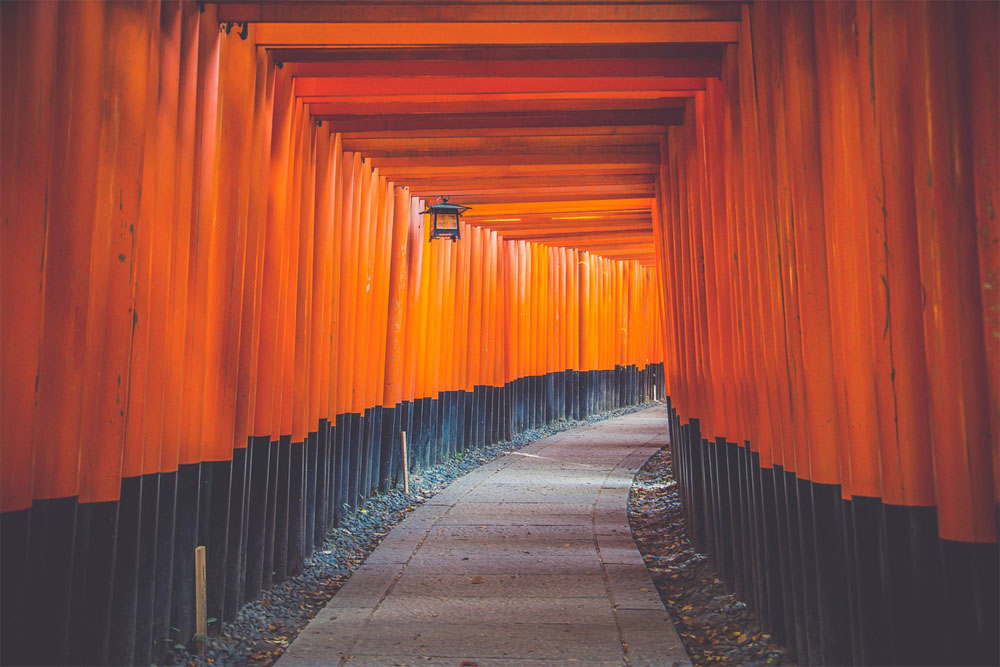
527 560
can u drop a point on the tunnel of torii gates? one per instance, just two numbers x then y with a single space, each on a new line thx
220 304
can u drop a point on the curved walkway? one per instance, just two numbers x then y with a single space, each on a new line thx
526 560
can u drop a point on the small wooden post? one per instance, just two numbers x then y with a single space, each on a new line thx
201 605
406 465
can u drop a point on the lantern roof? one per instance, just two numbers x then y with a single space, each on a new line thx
445 207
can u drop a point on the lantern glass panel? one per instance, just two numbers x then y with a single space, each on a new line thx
447 221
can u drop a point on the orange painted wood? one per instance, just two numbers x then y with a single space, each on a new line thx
348 259
302 421
515 130
241 252
494 32
156 458
361 12
28 46
384 232
109 319
952 316
449 86
395 356
631 61
504 124
322 238
980 50
64 274
179 307
843 176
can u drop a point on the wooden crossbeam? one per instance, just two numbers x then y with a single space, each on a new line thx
565 226
404 174
500 150
376 106
374 147
538 195
484 180
427 62
568 207
340 35
347 86
638 159
581 240
501 59
364 12
658 118
487 131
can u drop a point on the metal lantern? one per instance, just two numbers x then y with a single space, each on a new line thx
444 219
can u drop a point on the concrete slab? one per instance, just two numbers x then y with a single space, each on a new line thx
477 610
527 563
631 587
366 587
499 534
491 640
649 636
527 560
441 661
503 585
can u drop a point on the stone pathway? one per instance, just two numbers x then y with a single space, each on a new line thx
527 560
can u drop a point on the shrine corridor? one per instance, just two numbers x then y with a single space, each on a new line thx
227 288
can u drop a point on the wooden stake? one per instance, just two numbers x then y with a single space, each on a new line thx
201 622
406 466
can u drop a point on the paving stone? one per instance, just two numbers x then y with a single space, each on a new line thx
631 587
333 632
514 546
428 512
492 495
619 550
503 585
476 610
396 551
611 528
491 534
524 563
493 640
367 585
651 639
439 661
466 517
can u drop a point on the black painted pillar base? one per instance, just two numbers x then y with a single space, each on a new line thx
294 545
310 480
93 570
121 645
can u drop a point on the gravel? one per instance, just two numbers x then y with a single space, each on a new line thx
714 625
264 628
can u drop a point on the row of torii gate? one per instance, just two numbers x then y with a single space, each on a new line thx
221 302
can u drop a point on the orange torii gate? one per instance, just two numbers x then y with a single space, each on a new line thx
220 305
